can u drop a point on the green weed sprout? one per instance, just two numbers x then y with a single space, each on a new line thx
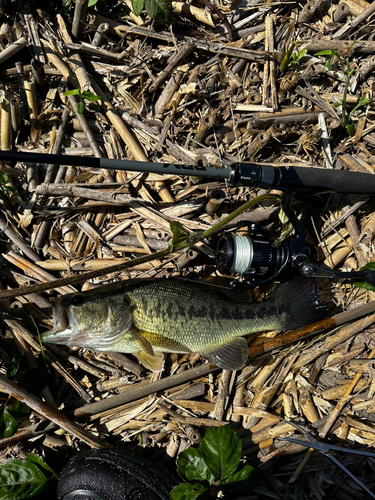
331 54
89 96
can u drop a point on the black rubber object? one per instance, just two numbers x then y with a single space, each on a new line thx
110 474
299 178
320 179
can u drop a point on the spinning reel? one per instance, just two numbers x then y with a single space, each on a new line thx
258 259
254 255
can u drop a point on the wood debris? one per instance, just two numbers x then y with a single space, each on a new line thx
273 83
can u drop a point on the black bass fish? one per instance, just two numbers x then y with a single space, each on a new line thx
147 317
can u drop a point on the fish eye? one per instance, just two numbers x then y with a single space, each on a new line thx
77 300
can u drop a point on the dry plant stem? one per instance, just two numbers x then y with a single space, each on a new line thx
31 99
35 44
213 8
7 229
133 145
341 11
21 87
27 433
60 65
11 50
86 48
51 175
15 325
340 405
99 35
143 390
362 47
325 140
183 52
260 347
90 194
14 390
75 60
192 240
216 48
5 35
79 18
6 127
87 367
353 23
351 226
272 65
273 432
343 334
52 169
24 349
222 394
31 269
86 129
172 148
167 93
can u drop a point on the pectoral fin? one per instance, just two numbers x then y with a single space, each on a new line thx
230 356
145 344
155 362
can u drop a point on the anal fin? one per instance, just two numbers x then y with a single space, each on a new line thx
230 356
154 362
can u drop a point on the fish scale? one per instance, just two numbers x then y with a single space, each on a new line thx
150 316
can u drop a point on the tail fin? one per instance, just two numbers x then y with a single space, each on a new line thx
299 297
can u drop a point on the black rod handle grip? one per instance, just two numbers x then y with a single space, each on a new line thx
303 178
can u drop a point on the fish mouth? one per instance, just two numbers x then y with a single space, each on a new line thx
64 324
68 331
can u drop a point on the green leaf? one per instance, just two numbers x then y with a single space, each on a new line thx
369 265
36 459
178 234
192 467
323 53
13 368
337 104
22 479
8 424
18 410
187 491
160 9
92 3
241 482
80 108
89 96
350 128
363 101
302 53
3 177
365 285
138 6
67 5
8 416
221 450
72 92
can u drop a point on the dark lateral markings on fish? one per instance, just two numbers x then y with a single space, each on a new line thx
147 317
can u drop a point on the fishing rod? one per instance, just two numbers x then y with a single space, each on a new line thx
244 174
253 255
